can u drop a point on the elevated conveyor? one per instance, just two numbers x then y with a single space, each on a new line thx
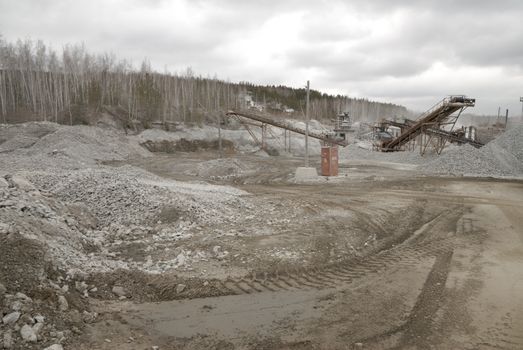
432 119
282 124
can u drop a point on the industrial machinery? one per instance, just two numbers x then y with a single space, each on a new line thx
343 125
330 140
433 128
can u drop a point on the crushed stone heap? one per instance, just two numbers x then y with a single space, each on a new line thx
502 157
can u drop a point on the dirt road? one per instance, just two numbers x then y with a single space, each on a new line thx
450 277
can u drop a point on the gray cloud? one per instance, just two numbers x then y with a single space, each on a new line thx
409 52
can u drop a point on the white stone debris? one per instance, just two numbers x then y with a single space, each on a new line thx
8 341
11 318
119 291
63 305
28 334
180 288
55 347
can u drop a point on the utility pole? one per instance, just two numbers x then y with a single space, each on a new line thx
307 128
220 134
521 100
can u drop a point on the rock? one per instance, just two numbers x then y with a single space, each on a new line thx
55 347
5 204
156 348
16 305
89 317
3 183
75 316
119 291
26 318
3 290
358 345
37 327
63 305
28 334
11 318
23 184
60 336
22 296
4 228
80 286
79 275
180 288
54 285
39 318
8 340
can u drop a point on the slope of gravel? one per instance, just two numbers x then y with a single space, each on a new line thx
52 146
94 217
87 144
511 141
15 136
502 157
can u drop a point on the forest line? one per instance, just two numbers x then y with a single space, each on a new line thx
37 83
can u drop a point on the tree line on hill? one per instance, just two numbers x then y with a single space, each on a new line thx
38 83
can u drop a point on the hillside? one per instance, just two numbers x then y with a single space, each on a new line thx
74 86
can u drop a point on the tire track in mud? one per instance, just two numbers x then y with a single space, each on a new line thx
425 242
409 253
418 329
335 275
415 332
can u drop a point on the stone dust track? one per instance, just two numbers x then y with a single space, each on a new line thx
417 245
335 276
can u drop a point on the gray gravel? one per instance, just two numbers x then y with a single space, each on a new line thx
502 157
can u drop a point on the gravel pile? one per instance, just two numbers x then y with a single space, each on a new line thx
52 146
85 218
94 218
88 144
220 169
15 136
511 141
129 195
502 157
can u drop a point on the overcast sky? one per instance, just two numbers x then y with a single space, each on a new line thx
407 52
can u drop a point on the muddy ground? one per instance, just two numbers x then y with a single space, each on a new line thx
441 267
105 245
